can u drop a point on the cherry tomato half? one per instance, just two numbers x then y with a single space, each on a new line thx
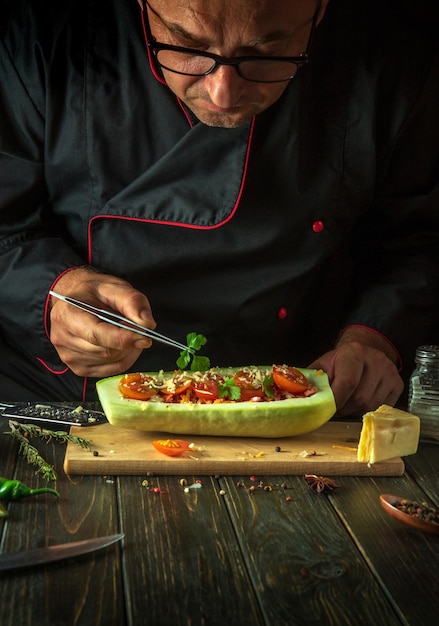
137 387
171 447
207 389
289 379
249 390
182 386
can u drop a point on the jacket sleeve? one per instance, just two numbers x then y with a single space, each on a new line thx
396 282
31 255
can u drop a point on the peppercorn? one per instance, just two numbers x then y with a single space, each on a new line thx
14 490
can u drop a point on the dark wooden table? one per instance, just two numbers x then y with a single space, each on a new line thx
218 554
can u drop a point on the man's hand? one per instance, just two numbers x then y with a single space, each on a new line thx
87 345
362 372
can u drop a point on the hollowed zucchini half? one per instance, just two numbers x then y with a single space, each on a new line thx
283 418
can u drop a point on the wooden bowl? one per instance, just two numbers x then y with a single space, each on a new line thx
390 503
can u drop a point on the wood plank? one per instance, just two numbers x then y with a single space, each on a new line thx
83 590
302 561
182 562
122 451
424 468
404 560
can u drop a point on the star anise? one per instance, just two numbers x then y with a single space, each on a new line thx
321 484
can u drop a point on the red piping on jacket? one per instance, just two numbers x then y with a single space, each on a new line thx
178 224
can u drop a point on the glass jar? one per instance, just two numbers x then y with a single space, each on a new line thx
424 390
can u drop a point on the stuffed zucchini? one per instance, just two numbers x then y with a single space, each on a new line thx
276 401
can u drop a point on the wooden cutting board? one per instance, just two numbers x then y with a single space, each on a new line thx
329 450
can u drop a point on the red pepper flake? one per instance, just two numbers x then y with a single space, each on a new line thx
157 490
254 479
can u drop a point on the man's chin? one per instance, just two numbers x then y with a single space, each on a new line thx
220 119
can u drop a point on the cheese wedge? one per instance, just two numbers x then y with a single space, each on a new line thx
387 433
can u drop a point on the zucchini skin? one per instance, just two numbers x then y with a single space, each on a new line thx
284 418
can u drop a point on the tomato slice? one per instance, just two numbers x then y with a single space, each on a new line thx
249 389
289 379
206 390
207 387
137 387
182 386
171 447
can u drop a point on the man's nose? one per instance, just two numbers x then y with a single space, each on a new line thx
225 87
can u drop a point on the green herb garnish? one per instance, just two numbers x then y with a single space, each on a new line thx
197 363
268 386
229 389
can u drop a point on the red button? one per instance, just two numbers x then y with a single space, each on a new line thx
282 313
318 226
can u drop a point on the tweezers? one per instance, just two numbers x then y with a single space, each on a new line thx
121 322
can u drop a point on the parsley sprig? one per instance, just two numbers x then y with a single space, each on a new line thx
197 363
229 389
268 386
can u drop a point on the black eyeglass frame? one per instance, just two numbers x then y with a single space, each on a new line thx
235 62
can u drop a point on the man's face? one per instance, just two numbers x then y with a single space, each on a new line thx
230 29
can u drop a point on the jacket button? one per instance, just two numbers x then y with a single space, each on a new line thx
282 313
318 226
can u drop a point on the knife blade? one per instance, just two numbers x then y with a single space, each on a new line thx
37 556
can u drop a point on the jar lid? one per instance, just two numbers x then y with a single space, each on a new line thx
428 354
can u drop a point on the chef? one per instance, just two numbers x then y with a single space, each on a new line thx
261 172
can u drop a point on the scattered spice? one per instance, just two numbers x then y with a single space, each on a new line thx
157 490
418 510
252 489
250 455
95 453
195 485
321 484
305 453
277 449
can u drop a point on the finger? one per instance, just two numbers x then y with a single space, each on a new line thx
127 301
98 369
85 333
345 385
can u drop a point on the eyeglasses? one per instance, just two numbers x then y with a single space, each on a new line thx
259 69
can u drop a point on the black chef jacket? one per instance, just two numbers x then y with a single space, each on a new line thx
269 238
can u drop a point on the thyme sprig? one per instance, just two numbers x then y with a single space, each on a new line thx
24 432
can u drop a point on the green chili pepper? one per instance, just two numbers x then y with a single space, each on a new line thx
14 490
